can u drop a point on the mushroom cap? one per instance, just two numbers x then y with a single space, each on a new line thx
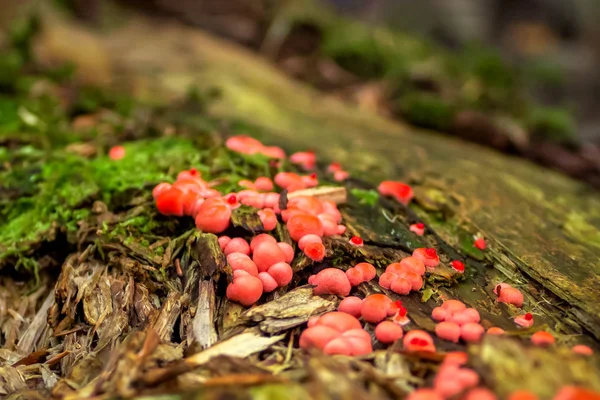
448 331
480 393
170 202
242 263
303 224
439 314
237 245
401 286
375 308
308 204
413 264
315 251
245 290
454 306
512 296
288 251
281 272
268 218
213 216
456 358
339 345
355 277
267 254
388 332
271 200
494 330
471 332
317 336
367 270
307 239
424 394
402 192
258 239
160 188
331 281
330 226
263 183
583 350
522 395
269 284
428 256
542 338
526 320
360 341
418 340
223 240
351 305
339 321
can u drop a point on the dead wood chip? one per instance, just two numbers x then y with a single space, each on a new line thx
11 380
292 309
169 313
241 345
203 327
338 195
33 358
37 327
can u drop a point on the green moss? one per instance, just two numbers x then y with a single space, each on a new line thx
426 110
61 192
368 197
555 124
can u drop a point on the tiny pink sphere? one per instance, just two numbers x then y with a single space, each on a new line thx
480 394
256 201
245 290
424 394
317 336
388 332
239 272
413 264
351 305
267 254
386 279
268 218
264 184
268 282
448 387
116 152
467 377
471 332
583 350
472 314
223 240
160 188
308 239
245 264
401 286
287 250
341 229
494 330
367 270
331 281
282 273
271 200
439 314
355 277
460 318
237 245
360 342
339 345
330 226
263 237
448 331
454 306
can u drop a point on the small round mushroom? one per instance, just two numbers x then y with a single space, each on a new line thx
263 183
375 308
213 216
525 320
315 251
288 251
351 305
448 331
429 256
471 332
160 188
388 332
245 290
300 225
259 239
417 341
116 152
223 241
281 272
269 284
339 321
583 350
267 254
268 218
418 228
480 393
542 338
237 245
424 394
317 337
494 330
402 192
330 281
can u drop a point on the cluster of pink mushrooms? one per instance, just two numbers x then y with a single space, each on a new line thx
264 264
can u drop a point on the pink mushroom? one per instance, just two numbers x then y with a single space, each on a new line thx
330 281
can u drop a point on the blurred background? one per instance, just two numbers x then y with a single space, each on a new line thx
520 76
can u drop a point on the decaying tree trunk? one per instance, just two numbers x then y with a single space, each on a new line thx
138 306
